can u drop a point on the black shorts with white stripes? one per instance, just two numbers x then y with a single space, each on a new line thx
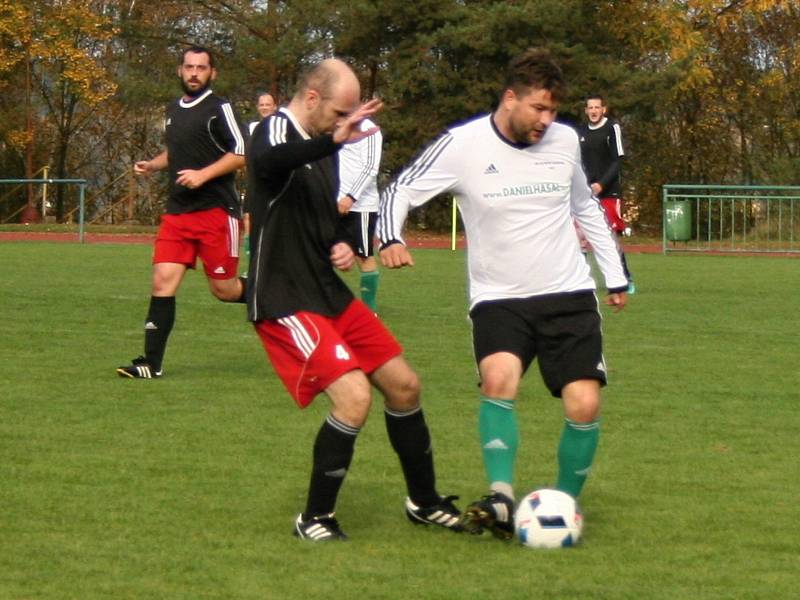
360 230
561 330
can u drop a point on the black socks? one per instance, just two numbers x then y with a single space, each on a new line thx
157 327
333 451
411 439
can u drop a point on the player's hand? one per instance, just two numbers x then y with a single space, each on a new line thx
345 204
190 178
342 256
396 256
617 301
142 167
596 189
347 130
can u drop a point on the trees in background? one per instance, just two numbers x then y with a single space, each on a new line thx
57 78
722 101
708 91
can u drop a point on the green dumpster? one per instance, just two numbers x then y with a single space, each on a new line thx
678 214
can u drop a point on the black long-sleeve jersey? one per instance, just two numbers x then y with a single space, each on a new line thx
601 153
292 185
199 133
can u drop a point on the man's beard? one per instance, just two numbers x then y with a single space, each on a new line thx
194 93
519 135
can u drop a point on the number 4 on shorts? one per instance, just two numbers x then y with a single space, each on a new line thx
341 353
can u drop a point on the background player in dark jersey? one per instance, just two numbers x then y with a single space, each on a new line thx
317 335
205 147
602 152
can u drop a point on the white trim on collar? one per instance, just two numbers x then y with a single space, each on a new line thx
599 124
196 101
294 121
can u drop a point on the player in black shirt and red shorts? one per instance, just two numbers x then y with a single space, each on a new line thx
318 337
602 154
205 147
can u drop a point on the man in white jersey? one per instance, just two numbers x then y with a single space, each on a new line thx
358 204
518 179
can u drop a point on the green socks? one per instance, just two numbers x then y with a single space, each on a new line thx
369 289
499 434
575 455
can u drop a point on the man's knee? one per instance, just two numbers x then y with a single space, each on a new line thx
399 384
166 278
581 400
407 389
500 375
351 396
227 290
354 409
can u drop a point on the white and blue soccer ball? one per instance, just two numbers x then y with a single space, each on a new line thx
548 519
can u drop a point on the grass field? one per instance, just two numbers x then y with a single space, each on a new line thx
187 487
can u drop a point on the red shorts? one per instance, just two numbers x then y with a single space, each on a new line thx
613 209
309 352
211 234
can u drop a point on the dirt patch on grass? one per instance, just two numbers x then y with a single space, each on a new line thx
414 239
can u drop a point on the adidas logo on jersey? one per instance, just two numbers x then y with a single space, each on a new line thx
491 170
495 444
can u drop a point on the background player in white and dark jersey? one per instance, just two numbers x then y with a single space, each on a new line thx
359 164
318 337
602 153
205 147
518 180
265 106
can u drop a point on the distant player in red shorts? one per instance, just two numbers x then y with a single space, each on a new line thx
318 337
205 147
602 153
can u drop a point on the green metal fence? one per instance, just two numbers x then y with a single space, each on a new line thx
731 218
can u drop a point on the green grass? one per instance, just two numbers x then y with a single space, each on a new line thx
186 487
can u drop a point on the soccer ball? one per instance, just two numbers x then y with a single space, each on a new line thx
548 519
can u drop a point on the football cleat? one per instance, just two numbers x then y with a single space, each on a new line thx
494 512
321 528
444 514
139 369
631 288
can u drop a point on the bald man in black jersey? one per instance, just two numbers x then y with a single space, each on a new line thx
318 337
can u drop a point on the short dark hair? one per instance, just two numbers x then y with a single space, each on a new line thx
596 97
199 50
535 69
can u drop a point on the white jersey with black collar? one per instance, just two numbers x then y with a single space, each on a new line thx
517 203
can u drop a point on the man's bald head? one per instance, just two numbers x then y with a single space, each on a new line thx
327 92
326 76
